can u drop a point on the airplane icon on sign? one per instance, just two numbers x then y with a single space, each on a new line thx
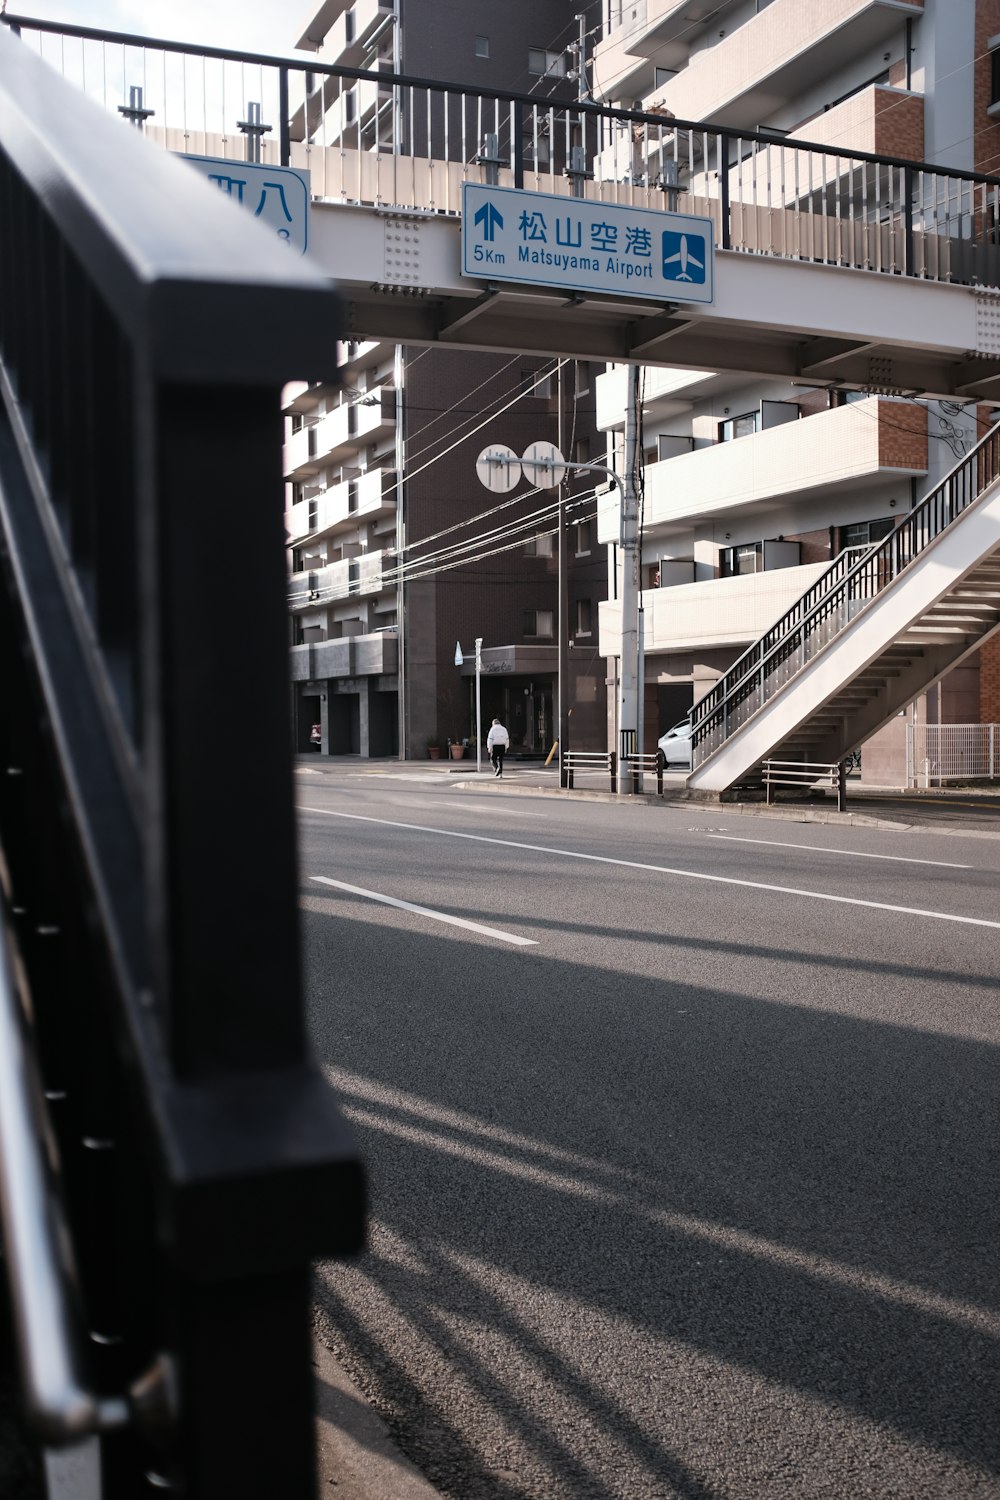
683 257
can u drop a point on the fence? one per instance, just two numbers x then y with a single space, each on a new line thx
381 138
594 762
171 1160
803 776
936 753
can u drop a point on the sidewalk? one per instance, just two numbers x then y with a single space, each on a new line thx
974 811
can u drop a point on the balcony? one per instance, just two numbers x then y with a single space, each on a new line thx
882 120
374 655
816 457
719 612
370 497
341 34
358 423
779 55
665 393
349 578
301 396
340 108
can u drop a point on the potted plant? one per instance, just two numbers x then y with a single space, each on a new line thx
457 749
434 748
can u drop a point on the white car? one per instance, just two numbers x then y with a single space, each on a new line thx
676 746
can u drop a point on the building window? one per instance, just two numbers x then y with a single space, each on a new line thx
581 451
995 73
582 382
583 616
864 533
538 622
312 515
533 383
735 561
539 546
741 426
670 446
584 538
298 560
482 46
662 76
546 63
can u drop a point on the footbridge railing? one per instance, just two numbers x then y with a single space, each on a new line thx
834 600
379 138
171 1159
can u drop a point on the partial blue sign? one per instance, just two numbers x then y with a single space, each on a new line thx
277 196
509 234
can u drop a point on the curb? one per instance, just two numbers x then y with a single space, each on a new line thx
356 1458
682 802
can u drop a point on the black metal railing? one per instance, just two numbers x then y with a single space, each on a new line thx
387 139
171 1159
834 600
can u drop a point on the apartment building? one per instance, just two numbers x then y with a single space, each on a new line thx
397 550
751 487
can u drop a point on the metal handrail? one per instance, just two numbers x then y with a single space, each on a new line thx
508 96
874 569
36 1242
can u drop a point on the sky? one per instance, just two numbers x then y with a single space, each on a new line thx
245 25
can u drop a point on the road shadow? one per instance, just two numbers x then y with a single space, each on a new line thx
723 1236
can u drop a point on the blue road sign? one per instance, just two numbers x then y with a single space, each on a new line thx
509 234
277 196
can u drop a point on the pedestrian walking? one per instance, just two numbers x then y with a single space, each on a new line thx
496 743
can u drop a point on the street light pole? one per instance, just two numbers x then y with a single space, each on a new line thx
479 715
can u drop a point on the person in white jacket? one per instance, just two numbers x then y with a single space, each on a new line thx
496 743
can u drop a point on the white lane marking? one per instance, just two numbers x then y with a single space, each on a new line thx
425 911
899 859
632 864
492 806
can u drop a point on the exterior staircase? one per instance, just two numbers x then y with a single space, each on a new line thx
870 635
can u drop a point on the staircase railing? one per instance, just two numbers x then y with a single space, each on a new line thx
834 600
171 1157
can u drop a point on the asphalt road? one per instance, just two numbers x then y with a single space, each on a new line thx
683 1172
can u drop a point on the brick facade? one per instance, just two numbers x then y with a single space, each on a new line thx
989 681
902 435
899 124
986 132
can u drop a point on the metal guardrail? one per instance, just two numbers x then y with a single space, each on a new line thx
605 762
387 139
597 762
834 600
162 1275
804 775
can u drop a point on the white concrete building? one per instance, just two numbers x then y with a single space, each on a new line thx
752 487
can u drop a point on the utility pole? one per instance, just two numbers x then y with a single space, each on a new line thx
628 672
577 173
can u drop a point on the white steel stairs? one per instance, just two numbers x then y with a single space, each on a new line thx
870 635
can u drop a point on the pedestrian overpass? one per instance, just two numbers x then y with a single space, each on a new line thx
170 1159
832 267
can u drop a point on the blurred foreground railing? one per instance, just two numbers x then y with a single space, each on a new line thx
380 138
170 1157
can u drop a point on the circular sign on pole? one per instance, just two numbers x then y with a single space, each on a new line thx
543 465
498 468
